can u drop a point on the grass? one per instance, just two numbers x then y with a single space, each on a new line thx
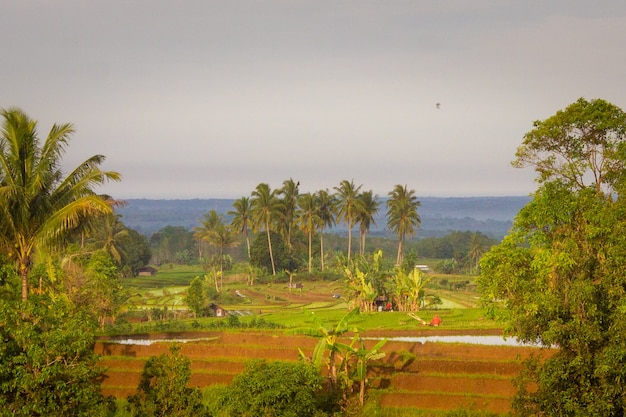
275 304
168 276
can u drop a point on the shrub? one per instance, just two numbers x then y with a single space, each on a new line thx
277 389
47 363
163 390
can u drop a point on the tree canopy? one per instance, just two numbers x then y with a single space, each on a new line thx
560 271
40 205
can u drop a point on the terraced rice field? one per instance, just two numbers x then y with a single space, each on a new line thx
429 376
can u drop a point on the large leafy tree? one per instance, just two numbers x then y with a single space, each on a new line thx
402 216
348 206
561 272
266 207
281 259
136 252
580 146
40 206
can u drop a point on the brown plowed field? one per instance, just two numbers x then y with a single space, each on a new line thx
433 376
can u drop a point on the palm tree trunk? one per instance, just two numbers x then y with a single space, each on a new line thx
399 257
322 249
248 243
221 267
269 244
363 235
23 268
24 274
310 251
349 238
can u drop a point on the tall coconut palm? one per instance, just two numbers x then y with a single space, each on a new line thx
216 233
40 206
289 193
402 216
326 207
241 218
204 233
348 205
266 206
365 216
306 217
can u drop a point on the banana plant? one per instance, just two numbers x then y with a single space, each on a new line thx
330 342
363 356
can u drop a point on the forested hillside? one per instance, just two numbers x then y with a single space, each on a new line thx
440 215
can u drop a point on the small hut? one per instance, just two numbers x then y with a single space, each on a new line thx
217 311
146 271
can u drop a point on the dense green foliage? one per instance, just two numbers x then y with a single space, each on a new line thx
47 363
172 244
259 254
128 248
561 270
459 251
163 389
196 298
274 389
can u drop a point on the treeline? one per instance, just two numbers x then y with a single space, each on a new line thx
457 252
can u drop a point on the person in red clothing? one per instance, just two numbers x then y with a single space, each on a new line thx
436 321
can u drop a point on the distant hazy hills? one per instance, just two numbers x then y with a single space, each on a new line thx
490 215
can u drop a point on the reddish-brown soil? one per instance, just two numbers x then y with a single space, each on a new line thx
435 376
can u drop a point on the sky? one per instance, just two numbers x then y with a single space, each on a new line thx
208 99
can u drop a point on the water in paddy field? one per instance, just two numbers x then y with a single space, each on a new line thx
468 339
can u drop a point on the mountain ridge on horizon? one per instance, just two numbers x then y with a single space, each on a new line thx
491 215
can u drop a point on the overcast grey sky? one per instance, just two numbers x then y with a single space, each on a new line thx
198 99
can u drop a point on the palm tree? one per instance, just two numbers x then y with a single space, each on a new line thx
223 237
476 250
326 207
265 206
40 207
290 193
365 216
348 206
208 225
402 217
306 216
241 218
108 231
216 233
